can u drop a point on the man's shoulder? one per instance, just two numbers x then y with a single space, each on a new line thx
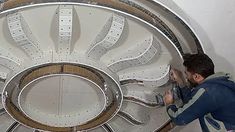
219 86
219 80
219 76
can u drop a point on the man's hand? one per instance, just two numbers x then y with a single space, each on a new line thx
177 76
168 98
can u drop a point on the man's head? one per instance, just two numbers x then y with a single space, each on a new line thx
198 67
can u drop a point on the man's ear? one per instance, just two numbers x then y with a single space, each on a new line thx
198 77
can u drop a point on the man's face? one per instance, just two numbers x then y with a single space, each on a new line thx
190 78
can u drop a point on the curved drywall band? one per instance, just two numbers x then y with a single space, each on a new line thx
139 55
148 77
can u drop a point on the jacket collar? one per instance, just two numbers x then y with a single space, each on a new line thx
218 75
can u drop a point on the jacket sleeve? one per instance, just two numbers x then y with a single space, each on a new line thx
200 104
185 94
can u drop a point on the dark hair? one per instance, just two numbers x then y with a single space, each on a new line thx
199 63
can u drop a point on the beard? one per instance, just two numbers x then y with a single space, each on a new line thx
191 83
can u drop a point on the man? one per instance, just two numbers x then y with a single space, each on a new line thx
211 98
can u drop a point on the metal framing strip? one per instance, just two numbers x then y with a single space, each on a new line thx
108 128
12 127
142 102
129 118
139 77
2 111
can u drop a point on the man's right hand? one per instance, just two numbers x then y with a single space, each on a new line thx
168 98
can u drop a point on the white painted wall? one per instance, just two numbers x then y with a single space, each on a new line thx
213 22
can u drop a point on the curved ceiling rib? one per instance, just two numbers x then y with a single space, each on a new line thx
108 37
139 55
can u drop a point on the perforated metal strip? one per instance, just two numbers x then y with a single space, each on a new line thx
65 28
23 36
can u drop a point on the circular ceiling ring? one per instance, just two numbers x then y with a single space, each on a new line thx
113 94
62 69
